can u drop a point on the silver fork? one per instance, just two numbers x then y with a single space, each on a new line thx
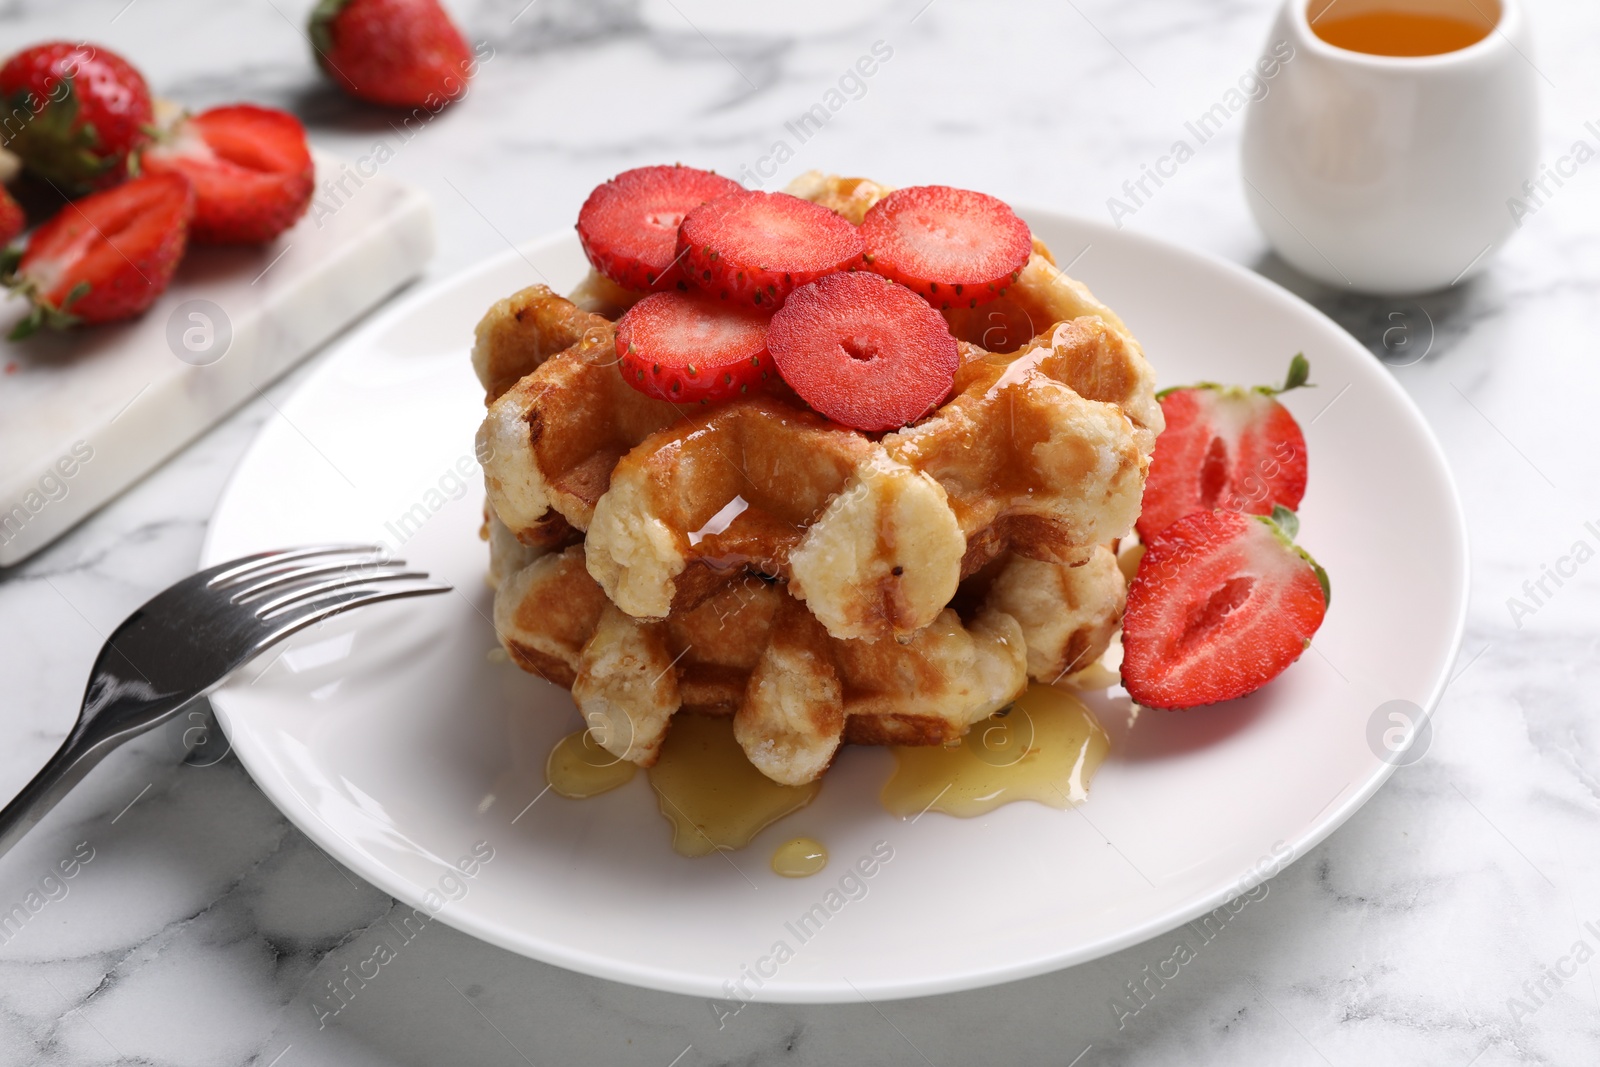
186 641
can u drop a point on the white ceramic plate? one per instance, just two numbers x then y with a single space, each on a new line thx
392 740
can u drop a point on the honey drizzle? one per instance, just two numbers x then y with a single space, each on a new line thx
711 794
1045 747
579 768
799 857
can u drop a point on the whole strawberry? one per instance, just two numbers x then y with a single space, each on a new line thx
403 53
73 112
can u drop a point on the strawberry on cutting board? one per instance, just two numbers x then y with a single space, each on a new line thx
12 218
1225 447
105 257
250 167
73 112
401 53
1222 603
684 347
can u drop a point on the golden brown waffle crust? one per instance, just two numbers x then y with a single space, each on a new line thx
819 585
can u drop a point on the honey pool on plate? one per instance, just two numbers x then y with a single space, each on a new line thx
711 794
799 857
579 768
1045 747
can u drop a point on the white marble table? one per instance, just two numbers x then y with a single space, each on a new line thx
199 927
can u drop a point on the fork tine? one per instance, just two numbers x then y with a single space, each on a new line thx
320 591
248 565
264 581
355 599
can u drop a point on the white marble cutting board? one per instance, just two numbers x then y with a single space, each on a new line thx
86 413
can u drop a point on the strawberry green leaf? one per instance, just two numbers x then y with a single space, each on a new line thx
1322 579
1299 373
1286 520
1299 377
322 17
78 292
66 157
26 326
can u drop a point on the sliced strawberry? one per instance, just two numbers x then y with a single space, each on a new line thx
629 225
250 167
402 53
107 256
73 112
13 220
956 247
1225 447
757 248
684 347
1220 606
864 351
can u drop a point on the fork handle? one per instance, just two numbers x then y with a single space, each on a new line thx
85 747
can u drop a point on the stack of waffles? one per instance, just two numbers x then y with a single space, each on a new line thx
818 584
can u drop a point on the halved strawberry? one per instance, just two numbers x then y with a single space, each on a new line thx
756 248
13 220
105 257
864 351
956 247
684 347
250 167
73 112
629 225
1225 447
1220 606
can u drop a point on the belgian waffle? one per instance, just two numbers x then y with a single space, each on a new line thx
753 652
817 583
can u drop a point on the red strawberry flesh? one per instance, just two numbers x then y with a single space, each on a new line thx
251 169
864 351
1222 604
956 247
683 347
12 218
1230 448
756 248
116 249
629 225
